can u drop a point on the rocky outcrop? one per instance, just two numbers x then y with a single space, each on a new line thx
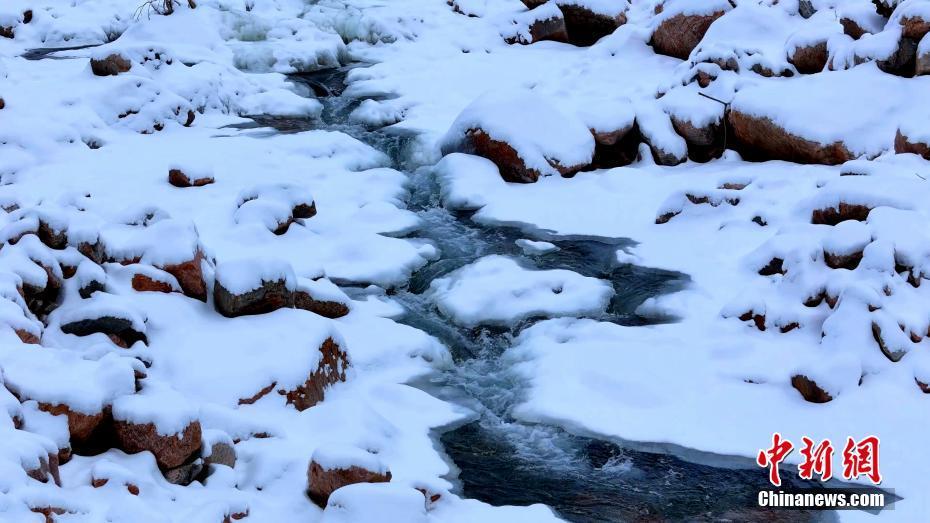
170 450
678 35
270 296
809 389
111 65
758 138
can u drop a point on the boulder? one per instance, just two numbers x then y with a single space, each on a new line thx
189 275
586 25
46 470
680 31
809 389
885 7
123 331
545 22
335 467
840 213
759 138
616 148
270 296
81 427
524 134
321 297
142 282
170 450
110 65
903 144
809 59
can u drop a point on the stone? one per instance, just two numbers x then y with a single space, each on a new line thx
903 62
81 427
842 212
323 482
892 354
332 369
585 26
144 283
112 65
903 144
810 59
190 276
542 24
120 330
678 35
326 308
46 471
759 138
177 178
842 261
852 28
270 296
809 389
616 148
170 451
705 143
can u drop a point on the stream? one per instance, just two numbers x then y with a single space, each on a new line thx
496 458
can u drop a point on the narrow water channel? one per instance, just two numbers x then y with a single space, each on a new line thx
496 458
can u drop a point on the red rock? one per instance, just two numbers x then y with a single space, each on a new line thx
842 212
190 276
258 395
678 35
43 300
331 369
6 31
47 470
757 319
921 67
143 283
80 426
759 138
904 144
705 143
885 7
842 261
51 237
914 27
49 512
271 296
27 16
112 65
774 266
170 451
324 482
809 389
543 25
584 26
177 178
810 59
852 28
27 337
328 309
616 148
512 167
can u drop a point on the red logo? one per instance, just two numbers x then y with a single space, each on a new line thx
859 459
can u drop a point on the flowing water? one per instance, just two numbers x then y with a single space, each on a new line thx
497 458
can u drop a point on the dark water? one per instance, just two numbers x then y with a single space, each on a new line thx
499 459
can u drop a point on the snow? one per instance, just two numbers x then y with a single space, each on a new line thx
496 290
344 457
